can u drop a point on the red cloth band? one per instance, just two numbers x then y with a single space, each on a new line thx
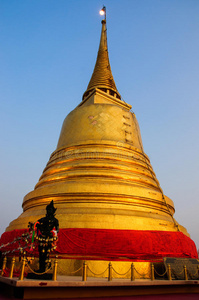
115 244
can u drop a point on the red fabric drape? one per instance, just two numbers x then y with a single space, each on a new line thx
116 244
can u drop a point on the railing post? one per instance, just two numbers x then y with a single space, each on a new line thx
132 272
185 273
21 276
4 265
55 269
12 267
152 272
169 272
110 272
84 271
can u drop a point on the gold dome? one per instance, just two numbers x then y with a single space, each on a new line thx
99 176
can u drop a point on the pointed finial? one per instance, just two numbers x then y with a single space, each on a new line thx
103 12
102 77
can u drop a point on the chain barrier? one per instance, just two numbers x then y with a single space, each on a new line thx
60 268
160 274
142 275
193 275
36 272
175 273
96 273
121 274
196 273
77 270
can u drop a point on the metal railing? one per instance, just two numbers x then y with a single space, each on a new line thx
110 270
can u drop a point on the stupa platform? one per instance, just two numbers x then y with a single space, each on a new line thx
72 287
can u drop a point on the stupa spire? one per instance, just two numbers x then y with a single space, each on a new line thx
102 77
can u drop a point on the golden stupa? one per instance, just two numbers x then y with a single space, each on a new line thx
102 183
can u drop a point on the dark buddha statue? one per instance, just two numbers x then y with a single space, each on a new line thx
47 228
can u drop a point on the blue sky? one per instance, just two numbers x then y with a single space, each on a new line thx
48 52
